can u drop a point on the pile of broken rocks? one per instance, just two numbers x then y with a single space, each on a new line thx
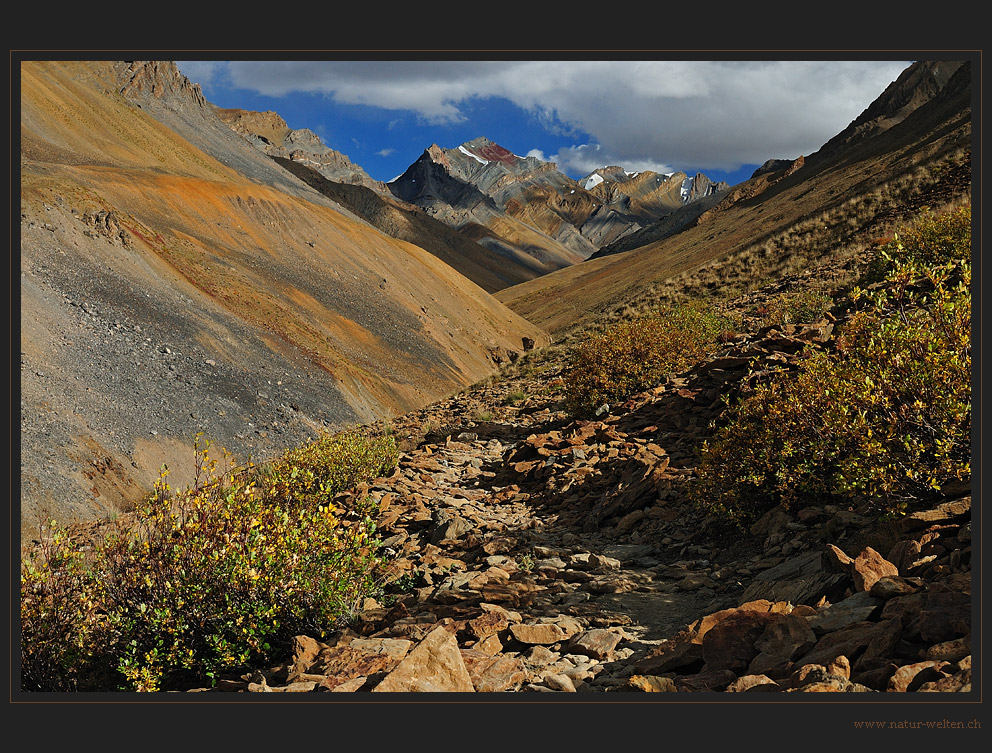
535 553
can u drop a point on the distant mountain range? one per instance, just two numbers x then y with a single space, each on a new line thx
526 217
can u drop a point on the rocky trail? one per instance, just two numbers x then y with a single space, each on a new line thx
536 553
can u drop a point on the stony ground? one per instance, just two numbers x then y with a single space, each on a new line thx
537 553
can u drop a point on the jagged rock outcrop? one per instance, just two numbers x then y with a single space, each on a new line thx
160 80
772 166
269 133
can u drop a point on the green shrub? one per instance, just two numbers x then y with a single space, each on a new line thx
933 240
317 471
634 356
886 417
217 576
515 397
804 307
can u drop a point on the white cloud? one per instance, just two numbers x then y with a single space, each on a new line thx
585 158
643 115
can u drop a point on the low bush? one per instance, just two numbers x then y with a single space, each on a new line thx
515 397
634 356
62 633
932 240
885 417
214 577
804 307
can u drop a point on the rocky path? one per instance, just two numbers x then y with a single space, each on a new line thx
534 553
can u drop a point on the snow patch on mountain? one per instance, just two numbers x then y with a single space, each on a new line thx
592 181
476 157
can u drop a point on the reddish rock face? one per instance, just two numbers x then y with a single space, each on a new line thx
495 153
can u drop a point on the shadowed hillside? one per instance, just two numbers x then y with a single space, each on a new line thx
776 223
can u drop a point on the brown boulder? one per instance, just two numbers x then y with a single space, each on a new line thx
305 651
700 627
942 513
885 638
950 651
731 643
904 553
494 674
787 637
907 607
946 616
705 682
540 633
648 684
865 569
753 683
772 665
486 625
868 567
435 665
597 643
877 678
911 676
959 682
679 653
849 641
890 586
858 607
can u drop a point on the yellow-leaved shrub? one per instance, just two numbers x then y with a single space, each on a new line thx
219 575
634 356
883 418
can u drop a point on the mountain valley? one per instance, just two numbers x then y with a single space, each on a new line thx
189 271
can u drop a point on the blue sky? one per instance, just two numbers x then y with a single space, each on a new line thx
722 118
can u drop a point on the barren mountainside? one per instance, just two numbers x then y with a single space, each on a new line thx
174 280
335 176
268 132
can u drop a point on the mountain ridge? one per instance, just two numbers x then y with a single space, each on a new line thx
582 216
